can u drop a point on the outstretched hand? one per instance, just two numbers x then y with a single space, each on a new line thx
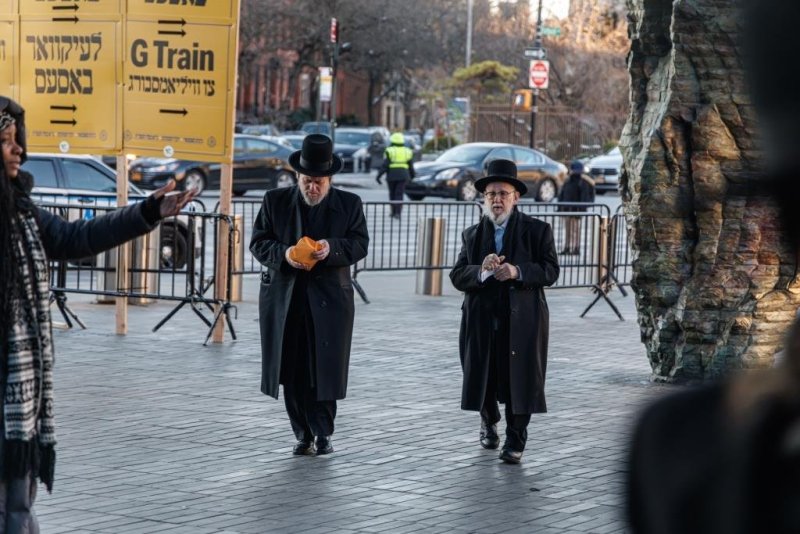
171 204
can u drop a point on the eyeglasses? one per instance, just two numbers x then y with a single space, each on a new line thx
495 194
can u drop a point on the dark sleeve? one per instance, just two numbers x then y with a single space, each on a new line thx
465 277
353 246
385 165
587 191
78 239
264 243
544 272
411 172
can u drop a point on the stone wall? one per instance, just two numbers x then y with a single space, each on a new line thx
715 283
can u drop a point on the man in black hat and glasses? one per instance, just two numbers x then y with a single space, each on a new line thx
306 308
506 260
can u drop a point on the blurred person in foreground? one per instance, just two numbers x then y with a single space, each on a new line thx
398 166
577 188
29 237
306 309
506 261
725 458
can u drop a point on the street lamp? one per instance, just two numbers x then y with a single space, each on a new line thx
535 103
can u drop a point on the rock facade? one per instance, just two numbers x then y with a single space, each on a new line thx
715 282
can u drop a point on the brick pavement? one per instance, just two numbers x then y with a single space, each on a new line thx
159 434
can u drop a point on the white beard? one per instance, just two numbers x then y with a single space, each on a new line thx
311 202
497 219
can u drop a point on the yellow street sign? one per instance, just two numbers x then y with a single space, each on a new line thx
178 85
69 84
8 7
219 11
70 8
8 52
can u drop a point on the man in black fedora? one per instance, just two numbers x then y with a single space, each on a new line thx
506 260
306 312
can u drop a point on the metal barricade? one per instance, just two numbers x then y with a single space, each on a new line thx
185 277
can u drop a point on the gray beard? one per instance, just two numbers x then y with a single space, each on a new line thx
311 203
496 219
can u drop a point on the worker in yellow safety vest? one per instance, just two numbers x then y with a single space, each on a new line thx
398 166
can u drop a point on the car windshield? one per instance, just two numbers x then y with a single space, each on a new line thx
353 138
465 154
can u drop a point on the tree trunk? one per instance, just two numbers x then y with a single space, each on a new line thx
714 281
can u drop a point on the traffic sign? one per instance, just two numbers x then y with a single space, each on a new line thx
8 7
325 84
551 32
70 10
539 74
535 53
218 11
8 28
334 31
69 83
179 85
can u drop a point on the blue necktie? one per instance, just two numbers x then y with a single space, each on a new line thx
498 238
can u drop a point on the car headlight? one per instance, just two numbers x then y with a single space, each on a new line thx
165 167
447 174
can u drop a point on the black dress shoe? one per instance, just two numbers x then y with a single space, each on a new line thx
303 448
489 437
324 445
510 456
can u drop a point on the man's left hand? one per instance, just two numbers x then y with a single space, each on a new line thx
506 271
322 253
170 205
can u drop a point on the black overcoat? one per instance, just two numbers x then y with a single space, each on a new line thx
278 226
527 244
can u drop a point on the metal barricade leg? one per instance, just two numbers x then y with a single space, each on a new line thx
358 288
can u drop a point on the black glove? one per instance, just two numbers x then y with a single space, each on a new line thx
378 179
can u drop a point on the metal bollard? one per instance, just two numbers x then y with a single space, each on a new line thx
236 275
430 253
146 260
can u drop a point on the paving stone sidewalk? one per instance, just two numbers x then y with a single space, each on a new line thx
160 434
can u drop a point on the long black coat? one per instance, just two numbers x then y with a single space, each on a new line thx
527 244
330 291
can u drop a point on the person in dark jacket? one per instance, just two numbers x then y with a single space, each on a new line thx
306 313
29 237
398 166
506 261
578 188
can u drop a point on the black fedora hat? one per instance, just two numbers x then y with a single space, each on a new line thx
501 170
316 158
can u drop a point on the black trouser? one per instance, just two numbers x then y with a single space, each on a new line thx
309 417
498 389
396 190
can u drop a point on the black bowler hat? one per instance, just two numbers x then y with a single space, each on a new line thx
501 170
316 158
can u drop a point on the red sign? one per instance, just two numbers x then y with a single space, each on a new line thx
539 74
334 31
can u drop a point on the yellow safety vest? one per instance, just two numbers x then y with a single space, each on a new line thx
399 156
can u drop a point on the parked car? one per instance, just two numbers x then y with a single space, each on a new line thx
454 172
370 145
261 129
322 127
295 139
257 164
85 181
605 170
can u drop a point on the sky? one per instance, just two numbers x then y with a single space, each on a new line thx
557 8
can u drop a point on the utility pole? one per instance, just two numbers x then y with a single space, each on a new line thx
537 44
469 34
334 64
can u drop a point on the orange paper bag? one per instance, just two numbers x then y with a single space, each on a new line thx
301 253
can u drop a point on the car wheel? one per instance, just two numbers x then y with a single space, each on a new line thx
600 191
467 191
194 180
285 179
415 197
173 247
547 190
